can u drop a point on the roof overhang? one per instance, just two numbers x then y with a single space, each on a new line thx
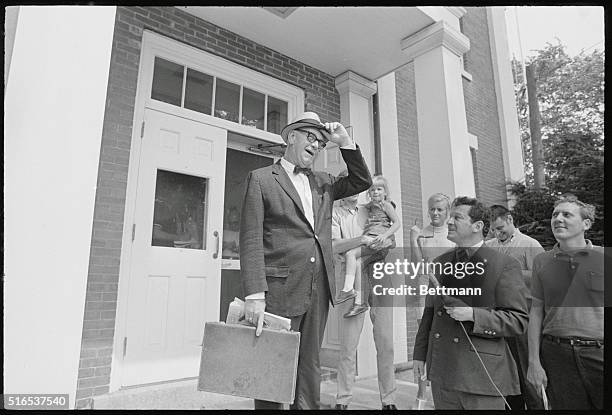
365 40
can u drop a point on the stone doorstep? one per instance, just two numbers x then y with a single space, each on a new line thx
183 394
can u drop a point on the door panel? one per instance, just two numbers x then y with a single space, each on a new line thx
175 268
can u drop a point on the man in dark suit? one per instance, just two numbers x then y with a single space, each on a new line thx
459 380
286 261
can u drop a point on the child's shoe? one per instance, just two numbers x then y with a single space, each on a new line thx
356 309
345 295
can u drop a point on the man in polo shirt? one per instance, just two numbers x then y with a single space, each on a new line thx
567 312
511 241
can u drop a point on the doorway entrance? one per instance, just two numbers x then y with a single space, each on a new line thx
175 270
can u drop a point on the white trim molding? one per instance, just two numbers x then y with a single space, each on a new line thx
457 11
351 82
438 34
473 141
504 92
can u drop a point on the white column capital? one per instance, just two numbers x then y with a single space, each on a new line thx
349 81
457 11
435 35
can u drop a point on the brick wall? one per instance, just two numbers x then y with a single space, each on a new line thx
410 173
103 276
481 108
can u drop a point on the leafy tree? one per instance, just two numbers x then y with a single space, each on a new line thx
571 99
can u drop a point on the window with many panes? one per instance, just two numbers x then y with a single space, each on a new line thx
185 87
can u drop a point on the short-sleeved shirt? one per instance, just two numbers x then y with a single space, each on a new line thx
345 223
519 246
570 286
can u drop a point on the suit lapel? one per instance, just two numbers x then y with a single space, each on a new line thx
285 182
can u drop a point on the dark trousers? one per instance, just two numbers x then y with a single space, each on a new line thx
452 399
575 375
311 326
529 396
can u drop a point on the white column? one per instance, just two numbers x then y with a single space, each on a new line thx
504 91
54 110
444 151
356 111
387 109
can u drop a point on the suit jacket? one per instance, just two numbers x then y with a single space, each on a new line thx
278 246
500 311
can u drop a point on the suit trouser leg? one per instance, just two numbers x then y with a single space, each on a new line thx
516 402
529 392
451 399
312 328
382 322
350 332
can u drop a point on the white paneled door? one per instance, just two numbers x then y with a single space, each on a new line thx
175 267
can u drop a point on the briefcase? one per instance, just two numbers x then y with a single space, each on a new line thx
236 362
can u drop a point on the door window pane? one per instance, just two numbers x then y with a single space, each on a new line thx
253 108
239 164
167 82
180 211
227 100
198 91
277 114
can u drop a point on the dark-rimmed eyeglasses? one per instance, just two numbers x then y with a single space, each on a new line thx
311 138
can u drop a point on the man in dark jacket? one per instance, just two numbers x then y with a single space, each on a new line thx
454 325
286 260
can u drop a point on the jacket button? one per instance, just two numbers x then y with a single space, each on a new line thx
312 259
437 335
439 313
456 340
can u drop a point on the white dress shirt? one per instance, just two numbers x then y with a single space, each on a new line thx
302 186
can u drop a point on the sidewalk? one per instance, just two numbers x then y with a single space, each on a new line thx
184 395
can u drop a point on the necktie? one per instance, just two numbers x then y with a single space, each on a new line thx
305 170
461 255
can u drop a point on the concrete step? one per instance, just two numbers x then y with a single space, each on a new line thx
184 394
172 395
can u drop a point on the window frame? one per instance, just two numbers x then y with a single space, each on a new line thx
198 60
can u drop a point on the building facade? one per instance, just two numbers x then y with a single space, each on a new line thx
129 132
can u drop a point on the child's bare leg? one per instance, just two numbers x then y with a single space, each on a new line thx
358 280
351 268
361 283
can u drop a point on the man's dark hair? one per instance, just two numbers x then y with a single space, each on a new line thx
499 211
478 211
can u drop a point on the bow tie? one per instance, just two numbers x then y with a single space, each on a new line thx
305 170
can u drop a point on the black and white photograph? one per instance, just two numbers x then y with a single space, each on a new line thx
302 208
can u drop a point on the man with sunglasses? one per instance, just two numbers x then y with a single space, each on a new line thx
286 261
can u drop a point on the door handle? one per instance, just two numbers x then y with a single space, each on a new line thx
216 235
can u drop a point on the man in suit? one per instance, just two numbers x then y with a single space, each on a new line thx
286 261
458 378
